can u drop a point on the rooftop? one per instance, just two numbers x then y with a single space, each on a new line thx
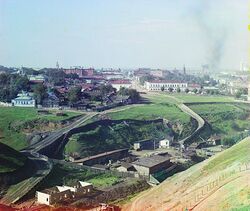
99 155
151 161
120 82
163 81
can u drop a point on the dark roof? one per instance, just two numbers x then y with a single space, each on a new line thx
146 140
100 155
151 161
126 165
50 190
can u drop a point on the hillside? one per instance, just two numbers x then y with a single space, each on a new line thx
17 122
10 159
219 183
111 135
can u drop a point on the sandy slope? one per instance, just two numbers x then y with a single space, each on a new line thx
219 183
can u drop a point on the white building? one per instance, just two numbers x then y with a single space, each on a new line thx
117 84
164 143
157 85
24 99
63 193
36 78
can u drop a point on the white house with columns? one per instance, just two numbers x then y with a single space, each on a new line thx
157 85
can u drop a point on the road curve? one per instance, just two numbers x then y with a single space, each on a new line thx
198 118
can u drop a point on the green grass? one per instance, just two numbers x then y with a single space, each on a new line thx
238 153
8 115
10 159
104 180
152 111
214 108
65 175
188 98
227 120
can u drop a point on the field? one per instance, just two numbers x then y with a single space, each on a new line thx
12 115
227 120
188 98
158 106
219 183
152 111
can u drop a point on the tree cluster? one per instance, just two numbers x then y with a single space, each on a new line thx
132 93
11 85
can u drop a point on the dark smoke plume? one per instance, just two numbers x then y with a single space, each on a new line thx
214 30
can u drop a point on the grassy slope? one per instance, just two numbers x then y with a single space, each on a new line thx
161 106
11 114
234 194
225 118
10 159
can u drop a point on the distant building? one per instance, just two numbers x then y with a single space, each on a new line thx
24 99
36 78
152 164
51 101
164 143
147 144
110 76
192 87
157 85
63 193
80 72
117 84
159 73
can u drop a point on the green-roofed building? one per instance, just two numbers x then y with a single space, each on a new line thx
24 99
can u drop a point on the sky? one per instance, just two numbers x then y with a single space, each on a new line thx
124 33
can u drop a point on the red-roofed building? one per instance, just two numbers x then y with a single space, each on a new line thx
80 72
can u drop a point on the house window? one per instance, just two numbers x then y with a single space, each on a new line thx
47 199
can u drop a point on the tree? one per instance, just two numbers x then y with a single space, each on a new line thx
178 90
123 91
187 90
238 94
134 95
55 76
145 78
195 90
105 89
40 93
170 89
162 88
74 95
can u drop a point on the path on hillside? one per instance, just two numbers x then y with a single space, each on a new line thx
42 168
198 118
